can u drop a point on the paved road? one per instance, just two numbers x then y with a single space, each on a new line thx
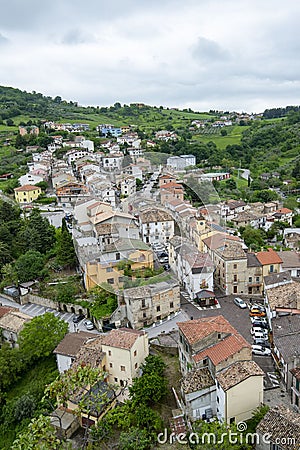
34 310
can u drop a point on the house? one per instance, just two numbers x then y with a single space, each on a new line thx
181 162
291 238
165 135
171 191
148 304
194 270
270 261
284 298
30 178
125 351
11 324
279 430
254 276
156 225
74 155
215 176
113 161
210 342
128 186
220 379
283 215
240 391
286 351
27 193
164 179
295 388
70 191
113 264
69 347
290 262
231 272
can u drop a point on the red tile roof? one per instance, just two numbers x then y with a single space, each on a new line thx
268 257
195 330
283 211
223 349
170 185
122 338
6 309
26 187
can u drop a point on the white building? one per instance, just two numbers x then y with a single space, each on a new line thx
193 268
181 162
29 178
113 161
128 186
156 226
73 155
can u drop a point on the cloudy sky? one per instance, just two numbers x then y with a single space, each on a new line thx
205 54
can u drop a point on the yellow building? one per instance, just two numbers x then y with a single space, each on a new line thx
240 391
27 193
111 265
125 351
270 261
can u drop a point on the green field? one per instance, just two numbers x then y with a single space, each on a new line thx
233 137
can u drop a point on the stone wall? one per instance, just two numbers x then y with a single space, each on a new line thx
47 303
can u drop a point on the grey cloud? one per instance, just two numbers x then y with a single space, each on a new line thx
206 50
76 37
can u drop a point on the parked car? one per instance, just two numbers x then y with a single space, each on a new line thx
162 254
260 350
259 335
259 319
256 312
88 324
262 342
259 330
258 323
164 260
166 266
78 318
239 302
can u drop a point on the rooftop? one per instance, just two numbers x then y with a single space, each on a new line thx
72 342
296 372
122 338
155 215
224 349
231 251
150 289
252 260
27 188
285 296
14 321
126 244
6 309
268 257
277 278
196 380
238 372
195 330
290 259
90 353
283 425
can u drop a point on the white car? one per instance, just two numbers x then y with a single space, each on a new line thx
239 302
259 335
88 324
261 350
259 330
259 319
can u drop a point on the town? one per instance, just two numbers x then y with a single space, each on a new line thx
168 295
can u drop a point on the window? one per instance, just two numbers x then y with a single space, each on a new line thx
109 269
110 280
136 365
143 303
218 400
122 383
232 420
109 352
158 308
110 365
271 268
118 256
234 266
257 279
235 289
234 277
116 380
250 279
144 315
122 368
171 305
158 317
219 335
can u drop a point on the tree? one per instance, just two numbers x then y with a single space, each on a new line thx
37 233
40 435
24 407
148 389
42 184
103 302
41 335
254 239
135 439
217 435
153 364
30 265
65 253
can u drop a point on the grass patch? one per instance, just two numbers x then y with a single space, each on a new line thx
233 137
